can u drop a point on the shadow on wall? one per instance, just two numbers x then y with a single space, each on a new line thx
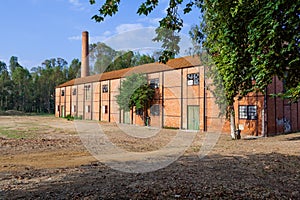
287 128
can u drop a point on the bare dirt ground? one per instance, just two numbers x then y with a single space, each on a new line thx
43 157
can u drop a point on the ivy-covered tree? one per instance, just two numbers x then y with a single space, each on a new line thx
135 92
250 42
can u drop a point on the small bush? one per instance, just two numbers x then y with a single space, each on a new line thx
69 117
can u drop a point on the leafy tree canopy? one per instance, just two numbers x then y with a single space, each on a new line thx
252 41
135 91
107 59
33 91
249 41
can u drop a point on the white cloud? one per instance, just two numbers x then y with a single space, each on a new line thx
133 40
74 37
149 20
76 4
128 27
92 39
134 37
107 33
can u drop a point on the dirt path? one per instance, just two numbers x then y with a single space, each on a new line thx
46 158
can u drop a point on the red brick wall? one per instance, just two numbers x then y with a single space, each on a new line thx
174 96
282 116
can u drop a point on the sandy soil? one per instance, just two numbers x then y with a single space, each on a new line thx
49 158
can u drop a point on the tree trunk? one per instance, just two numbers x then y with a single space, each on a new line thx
232 122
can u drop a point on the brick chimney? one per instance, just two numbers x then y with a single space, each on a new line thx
85 54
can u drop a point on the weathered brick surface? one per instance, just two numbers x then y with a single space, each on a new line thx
174 96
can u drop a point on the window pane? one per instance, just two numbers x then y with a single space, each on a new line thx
193 79
139 112
154 83
243 112
87 92
105 88
196 79
252 112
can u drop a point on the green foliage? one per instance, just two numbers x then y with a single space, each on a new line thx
33 91
135 91
107 59
170 25
123 61
69 117
293 94
252 41
11 133
109 8
102 55
249 41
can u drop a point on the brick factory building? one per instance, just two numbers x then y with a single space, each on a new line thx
181 101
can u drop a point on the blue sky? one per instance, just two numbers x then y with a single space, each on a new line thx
35 30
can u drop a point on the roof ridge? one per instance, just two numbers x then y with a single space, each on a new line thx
175 63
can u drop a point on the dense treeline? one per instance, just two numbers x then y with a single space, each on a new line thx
34 90
105 58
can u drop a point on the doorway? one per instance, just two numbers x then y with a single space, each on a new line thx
193 117
126 117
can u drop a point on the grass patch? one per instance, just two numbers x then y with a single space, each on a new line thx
10 133
170 127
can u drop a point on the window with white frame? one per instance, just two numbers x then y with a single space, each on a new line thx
248 112
193 79
62 93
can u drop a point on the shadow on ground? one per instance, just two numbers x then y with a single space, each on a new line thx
255 176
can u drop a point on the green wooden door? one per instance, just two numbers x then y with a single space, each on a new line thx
126 117
62 111
193 117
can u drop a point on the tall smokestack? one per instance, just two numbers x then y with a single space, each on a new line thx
85 54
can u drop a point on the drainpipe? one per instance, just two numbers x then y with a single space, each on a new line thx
204 101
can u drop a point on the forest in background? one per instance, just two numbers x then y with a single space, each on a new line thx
33 91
